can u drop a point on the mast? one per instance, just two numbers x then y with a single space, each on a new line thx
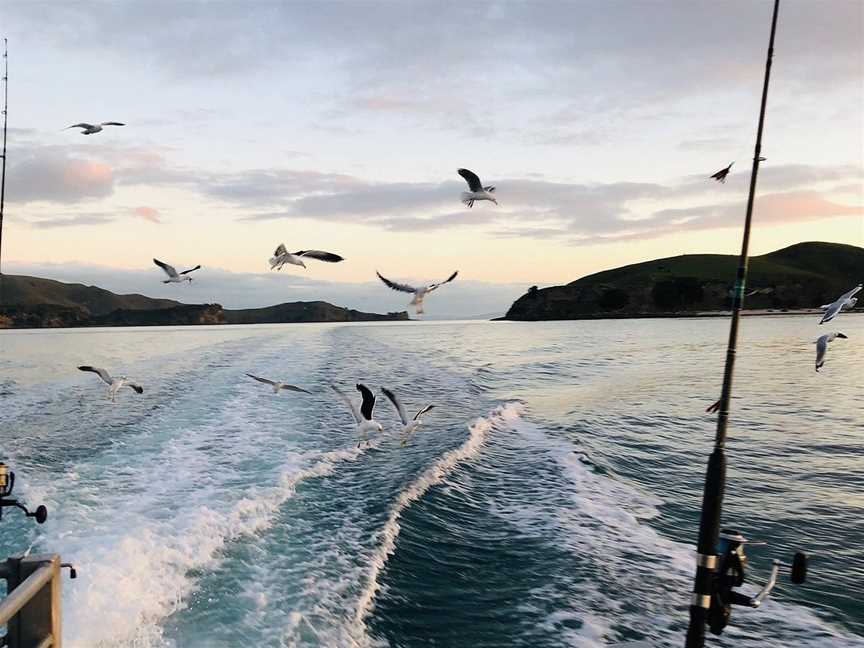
715 476
3 173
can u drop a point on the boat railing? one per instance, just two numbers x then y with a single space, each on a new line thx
31 609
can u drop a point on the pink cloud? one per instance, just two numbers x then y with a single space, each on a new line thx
147 213
85 174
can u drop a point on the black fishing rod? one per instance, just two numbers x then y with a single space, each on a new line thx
720 559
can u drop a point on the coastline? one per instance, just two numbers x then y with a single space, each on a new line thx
756 312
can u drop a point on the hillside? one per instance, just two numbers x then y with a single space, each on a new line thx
33 302
804 275
21 290
316 311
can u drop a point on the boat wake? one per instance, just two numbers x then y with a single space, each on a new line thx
501 417
138 580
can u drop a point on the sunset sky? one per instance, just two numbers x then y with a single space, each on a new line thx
340 126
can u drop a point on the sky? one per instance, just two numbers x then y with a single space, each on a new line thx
340 126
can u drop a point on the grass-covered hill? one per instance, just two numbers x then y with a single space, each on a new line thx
33 302
804 275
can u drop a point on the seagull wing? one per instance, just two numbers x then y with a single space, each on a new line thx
396 286
821 350
851 293
471 178
280 250
135 386
397 404
81 125
104 375
169 270
722 173
261 380
112 124
329 257
423 411
441 283
293 388
354 412
368 401
831 311
197 267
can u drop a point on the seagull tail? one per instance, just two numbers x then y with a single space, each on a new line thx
467 198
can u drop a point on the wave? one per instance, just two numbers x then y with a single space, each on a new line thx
134 585
602 522
503 415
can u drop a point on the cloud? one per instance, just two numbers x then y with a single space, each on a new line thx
528 206
46 175
71 221
770 209
147 213
373 50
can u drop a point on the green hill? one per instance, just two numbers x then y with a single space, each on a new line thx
317 311
33 302
21 290
804 275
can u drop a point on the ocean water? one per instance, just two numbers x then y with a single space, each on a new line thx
551 499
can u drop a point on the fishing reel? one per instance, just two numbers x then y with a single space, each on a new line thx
732 571
7 484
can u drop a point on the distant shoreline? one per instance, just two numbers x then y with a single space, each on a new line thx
757 312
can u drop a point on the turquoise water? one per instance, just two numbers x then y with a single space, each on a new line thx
551 498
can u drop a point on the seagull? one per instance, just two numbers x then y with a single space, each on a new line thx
720 176
419 293
90 129
822 347
114 384
408 427
478 191
846 301
277 386
173 276
282 256
363 416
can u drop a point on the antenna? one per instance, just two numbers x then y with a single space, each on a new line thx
707 560
3 172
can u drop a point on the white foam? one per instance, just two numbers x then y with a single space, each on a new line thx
601 520
128 586
478 434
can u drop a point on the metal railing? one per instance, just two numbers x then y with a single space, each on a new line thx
31 609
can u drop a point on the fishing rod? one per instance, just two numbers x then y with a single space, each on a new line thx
720 558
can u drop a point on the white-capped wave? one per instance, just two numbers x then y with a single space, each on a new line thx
139 570
501 416
628 579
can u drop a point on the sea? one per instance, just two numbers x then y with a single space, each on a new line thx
551 498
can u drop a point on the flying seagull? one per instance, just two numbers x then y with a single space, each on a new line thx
277 386
408 427
173 275
114 384
90 129
822 347
720 176
478 191
846 301
363 416
419 292
282 256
